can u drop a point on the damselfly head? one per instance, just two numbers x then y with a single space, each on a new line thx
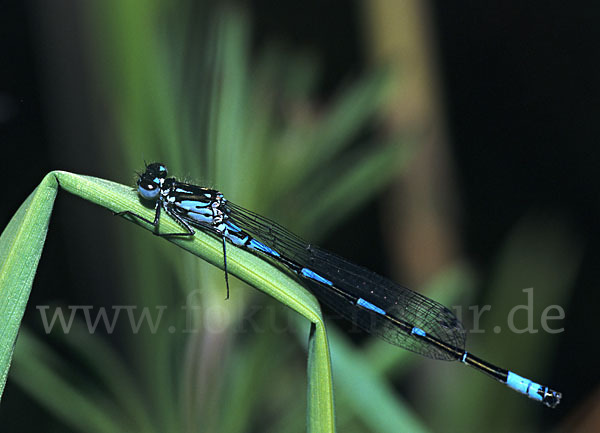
151 180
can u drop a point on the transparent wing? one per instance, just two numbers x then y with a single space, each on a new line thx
406 307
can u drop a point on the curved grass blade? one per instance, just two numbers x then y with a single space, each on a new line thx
22 241
21 246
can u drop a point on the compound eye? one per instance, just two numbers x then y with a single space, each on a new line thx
148 191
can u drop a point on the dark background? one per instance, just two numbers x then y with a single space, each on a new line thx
521 93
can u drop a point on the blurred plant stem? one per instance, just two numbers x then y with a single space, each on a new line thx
423 204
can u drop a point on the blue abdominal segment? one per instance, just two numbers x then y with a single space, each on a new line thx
418 331
524 386
255 245
369 306
233 227
310 274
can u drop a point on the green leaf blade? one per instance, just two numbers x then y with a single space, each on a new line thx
30 227
21 246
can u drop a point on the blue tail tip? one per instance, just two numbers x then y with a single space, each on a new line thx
533 390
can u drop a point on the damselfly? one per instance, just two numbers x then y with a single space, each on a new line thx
376 304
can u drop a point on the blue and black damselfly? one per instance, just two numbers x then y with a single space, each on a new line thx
377 305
